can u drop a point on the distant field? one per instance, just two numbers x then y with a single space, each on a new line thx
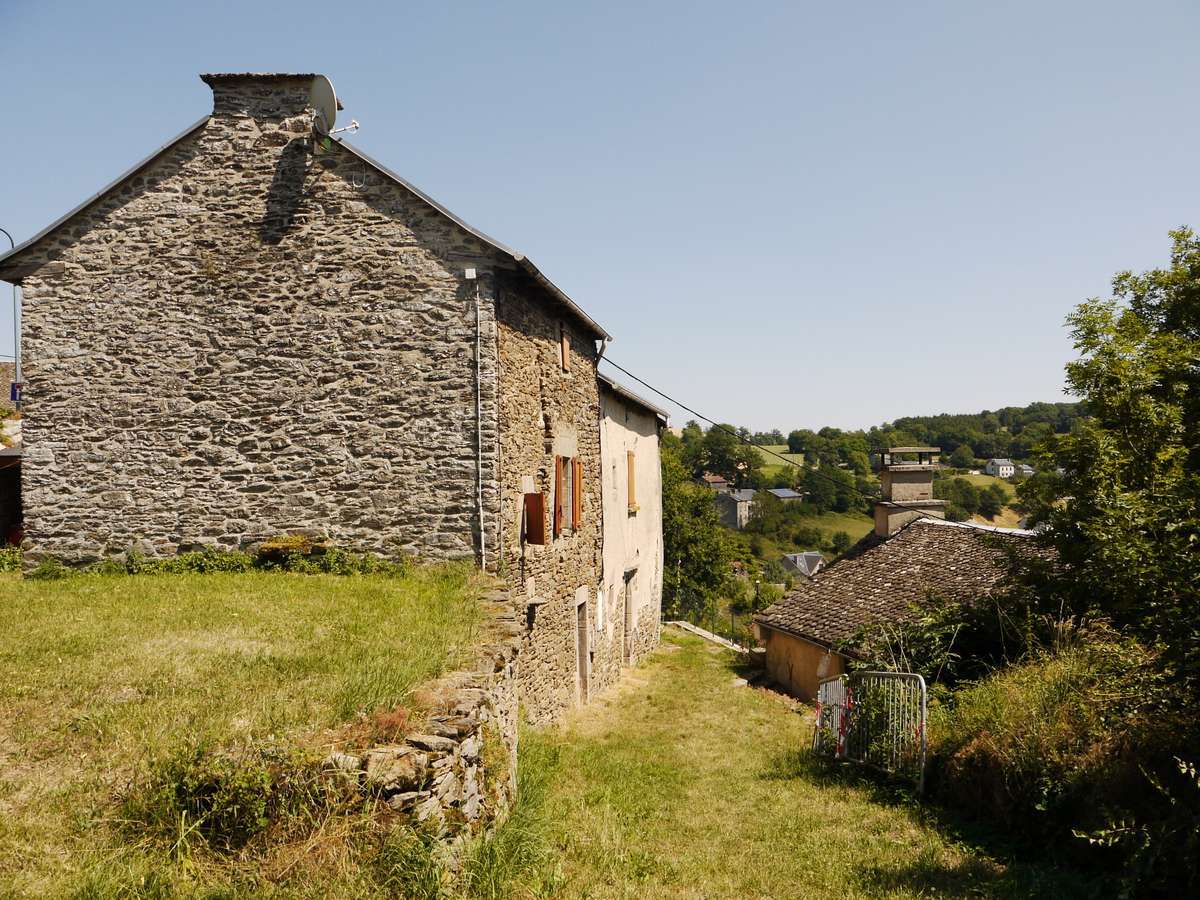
982 481
772 464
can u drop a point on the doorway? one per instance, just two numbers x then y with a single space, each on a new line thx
627 594
581 649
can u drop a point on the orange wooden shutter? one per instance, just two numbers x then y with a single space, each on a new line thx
577 493
565 348
558 495
535 518
630 480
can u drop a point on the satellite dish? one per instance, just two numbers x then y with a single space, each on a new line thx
324 103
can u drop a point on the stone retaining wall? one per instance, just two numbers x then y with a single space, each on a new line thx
458 774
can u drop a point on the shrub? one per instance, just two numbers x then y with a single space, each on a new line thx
10 559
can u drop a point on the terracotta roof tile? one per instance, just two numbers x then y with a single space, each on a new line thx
884 580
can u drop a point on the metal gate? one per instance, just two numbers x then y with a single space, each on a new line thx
876 718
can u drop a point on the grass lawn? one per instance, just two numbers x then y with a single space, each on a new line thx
772 464
679 784
103 677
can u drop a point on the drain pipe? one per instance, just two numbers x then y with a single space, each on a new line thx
472 276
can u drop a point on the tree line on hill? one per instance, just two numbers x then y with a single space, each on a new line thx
1012 432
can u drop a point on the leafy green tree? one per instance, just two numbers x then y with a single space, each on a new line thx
840 542
726 454
696 553
1124 515
963 457
991 501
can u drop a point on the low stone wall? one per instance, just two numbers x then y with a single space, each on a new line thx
458 774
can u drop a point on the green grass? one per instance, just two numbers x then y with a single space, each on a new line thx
772 464
102 678
679 784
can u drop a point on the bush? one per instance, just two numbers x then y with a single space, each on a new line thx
10 559
1072 750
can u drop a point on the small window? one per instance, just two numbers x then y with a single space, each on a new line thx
564 348
630 481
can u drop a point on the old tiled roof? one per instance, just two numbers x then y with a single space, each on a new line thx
884 580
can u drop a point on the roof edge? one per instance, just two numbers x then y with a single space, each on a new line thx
622 391
519 258
8 257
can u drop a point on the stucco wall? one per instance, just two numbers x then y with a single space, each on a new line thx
633 540
246 339
546 412
797 665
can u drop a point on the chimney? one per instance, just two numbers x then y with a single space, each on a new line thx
265 97
909 483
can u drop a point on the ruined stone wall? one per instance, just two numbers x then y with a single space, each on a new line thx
247 338
546 412
459 772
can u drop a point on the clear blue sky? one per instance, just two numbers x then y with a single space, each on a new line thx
791 214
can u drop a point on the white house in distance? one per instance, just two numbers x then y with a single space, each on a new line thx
1000 468
630 601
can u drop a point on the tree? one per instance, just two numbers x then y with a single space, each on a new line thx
696 553
841 542
991 501
1124 515
726 454
963 457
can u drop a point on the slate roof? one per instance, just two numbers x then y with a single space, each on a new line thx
786 494
805 563
746 495
1001 461
882 580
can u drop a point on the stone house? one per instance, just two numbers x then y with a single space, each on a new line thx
734 507
257 331
630 602
912 554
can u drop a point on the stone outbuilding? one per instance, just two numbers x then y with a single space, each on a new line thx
260 330
912 555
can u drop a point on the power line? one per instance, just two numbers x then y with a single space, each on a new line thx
760 447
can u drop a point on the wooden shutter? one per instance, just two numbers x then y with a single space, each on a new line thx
564 348
535 518
630 480
558 495
576 493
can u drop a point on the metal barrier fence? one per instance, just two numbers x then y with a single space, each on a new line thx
876 718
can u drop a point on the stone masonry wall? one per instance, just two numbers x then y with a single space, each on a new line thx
459 774
545 412
247 339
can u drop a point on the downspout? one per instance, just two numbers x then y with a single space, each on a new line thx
471 276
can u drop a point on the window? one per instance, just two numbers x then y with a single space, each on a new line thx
568 494
630 481
564 348
533 524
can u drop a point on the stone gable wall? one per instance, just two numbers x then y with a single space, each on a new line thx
244 340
